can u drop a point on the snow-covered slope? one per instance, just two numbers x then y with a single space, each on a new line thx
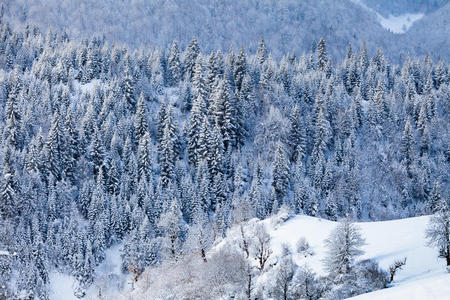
423 276
109 280
399 24
433 286
395 23
385 242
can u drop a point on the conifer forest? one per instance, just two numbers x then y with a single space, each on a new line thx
178 153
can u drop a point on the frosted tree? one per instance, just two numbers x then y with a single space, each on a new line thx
304 284
280 172
322 133
196 119
224 114
297 138
190 57
97 152
9 186
363 58
186 95
438 230
12 114
55 147
261 52
436 198
145 157
261 246
169 148
162 114
407 148
343 247
200 235
240 68
171 224
140 125
128 88
322 55
174 65
285 270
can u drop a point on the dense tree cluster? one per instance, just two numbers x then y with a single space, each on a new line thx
101 145
287 25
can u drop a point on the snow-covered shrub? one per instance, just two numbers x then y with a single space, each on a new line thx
305 284
303 247
364 277
284 213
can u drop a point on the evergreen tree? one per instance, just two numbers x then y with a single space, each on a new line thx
145 157
56 147
407 148
224 114
240 68
190 57
280 172
128 88
261 52
297 139
9 204
174 65
162 114
436 198
199 88
169 148
12 115
141 127
322 132
322 55
193 135
97 152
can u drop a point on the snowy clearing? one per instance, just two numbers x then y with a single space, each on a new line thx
109 279
422 277
399 24
396 24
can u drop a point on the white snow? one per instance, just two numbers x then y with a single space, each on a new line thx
399 24
434 287
423 277
61 286
396 24
109 279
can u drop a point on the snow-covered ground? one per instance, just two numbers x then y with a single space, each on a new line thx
399 24
109 280
396 24
423 276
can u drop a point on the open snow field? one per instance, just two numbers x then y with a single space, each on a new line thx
423 277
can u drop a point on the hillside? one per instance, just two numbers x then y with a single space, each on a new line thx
423 276
286 25
121 163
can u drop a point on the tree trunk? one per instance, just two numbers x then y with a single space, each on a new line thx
448 255
204 255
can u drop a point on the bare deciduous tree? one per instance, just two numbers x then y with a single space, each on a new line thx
262 246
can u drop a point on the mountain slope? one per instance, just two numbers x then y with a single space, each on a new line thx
431 33
399 7
286 25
